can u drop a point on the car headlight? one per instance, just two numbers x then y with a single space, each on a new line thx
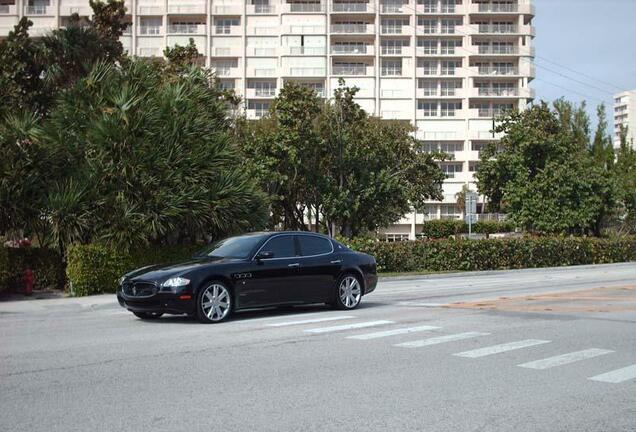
175 282
122 280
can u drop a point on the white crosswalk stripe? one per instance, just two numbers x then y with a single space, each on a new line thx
617 376
310 321
394 332
564 359
497 349
348 326
440 339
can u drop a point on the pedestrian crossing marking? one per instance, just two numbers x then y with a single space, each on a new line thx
617 376
348 326
394 332
441 339
564 359
498 349
310 321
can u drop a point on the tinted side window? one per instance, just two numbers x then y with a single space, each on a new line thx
282 246
310 245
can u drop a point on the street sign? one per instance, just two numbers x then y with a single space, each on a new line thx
471 202
471 219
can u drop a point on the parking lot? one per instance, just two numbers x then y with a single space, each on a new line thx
530 350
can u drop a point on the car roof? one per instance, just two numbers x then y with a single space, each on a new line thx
273 233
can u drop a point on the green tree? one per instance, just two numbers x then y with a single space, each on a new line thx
544 177
625 172
153 157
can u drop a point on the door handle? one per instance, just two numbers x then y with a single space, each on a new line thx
293 265
336 261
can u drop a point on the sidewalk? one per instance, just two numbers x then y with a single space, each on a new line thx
30 304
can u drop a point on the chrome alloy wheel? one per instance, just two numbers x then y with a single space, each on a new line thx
215 302
350 292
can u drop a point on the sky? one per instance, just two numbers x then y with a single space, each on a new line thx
596 38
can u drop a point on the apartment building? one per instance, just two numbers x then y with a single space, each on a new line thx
625 115
447 66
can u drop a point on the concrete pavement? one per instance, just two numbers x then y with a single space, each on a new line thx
496 351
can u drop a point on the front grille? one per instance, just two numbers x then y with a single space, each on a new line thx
139 289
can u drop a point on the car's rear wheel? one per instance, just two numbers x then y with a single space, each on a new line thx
148 315
348 292
214 303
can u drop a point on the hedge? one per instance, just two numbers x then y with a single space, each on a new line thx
96 268
45 263
445 228
495 254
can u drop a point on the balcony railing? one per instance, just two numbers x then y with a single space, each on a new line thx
352 28
307 50
349 70
35 10
149 52
261 9
5 9
499 50
187 28
498 7
149 30
350 49
307 71
264 92
498 28
306 7
186 8
392 8
392 29
487 91
490 112
349 7
498 71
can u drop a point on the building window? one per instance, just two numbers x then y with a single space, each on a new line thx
429 25
473 166
393 25
226 84
448 26
449 109
429 67
449 88
449 211
391 67
224 25
429 46
448 46
263 88
393 46
448 67
396 237
451 169
430 6
428 109
150 26
429 87
260 108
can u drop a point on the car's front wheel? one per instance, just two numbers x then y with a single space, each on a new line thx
349 292
214 303
148 315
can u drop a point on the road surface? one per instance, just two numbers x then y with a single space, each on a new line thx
530 350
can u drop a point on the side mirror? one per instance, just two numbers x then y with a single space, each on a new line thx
264 255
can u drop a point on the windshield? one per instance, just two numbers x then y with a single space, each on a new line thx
233 247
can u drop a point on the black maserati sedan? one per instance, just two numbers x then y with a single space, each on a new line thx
251 271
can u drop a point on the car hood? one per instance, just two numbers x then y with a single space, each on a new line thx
162 272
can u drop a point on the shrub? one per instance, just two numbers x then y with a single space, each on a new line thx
495 254
445 228
96 268
45 263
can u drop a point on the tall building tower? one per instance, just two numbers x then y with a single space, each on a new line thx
625 116
447 66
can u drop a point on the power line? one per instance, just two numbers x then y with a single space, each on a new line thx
581 73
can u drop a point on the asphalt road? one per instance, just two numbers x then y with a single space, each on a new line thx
532 350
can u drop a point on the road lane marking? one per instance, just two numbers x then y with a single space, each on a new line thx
440 339
348 326
309 321
497 349
617 376
393 332
564 359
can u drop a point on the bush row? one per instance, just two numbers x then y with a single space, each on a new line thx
495 254
96 268
443 228
45 263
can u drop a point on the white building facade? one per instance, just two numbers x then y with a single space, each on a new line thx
625 116
447 66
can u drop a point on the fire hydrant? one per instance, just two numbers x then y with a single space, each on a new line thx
28 282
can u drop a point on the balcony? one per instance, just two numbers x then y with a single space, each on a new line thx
260 9
396 51
433 9
226 71
353 70
38 10
496 71
302 50
525 8
353 28
186 29
304 29
393 8
495 92
352 50
395 29
6 9
497 28
261 51
306 72
234 9
70 9
146 30
226 51
261 72
303 7
220 30
262 31
196 8
350 7
150 8
252 93
150 52
488 113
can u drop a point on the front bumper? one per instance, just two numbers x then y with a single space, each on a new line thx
169 303
371 281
